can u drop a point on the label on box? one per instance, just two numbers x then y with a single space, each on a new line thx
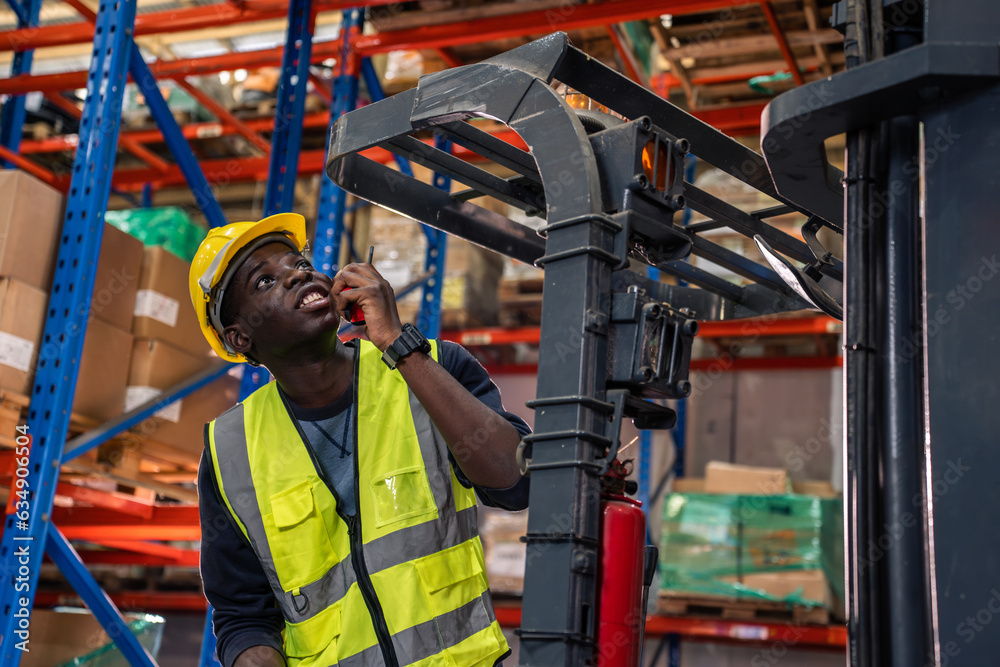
136 395
160 307
16 352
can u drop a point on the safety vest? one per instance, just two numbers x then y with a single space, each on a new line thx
403 582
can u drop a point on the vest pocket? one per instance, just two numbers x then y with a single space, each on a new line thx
302 551
454 582
400 495
314 642
452 577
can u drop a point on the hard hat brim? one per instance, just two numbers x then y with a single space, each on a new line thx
292 225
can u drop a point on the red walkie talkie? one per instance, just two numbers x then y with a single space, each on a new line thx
354 313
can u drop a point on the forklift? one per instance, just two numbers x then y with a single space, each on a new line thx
606 184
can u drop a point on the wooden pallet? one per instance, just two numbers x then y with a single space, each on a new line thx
130 459
14 412
763 611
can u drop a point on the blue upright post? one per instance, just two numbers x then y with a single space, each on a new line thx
26 530
174 138
429 315
645 469
207 657
332 199
680 428
64 555
12 117
370 77
286 140
674 651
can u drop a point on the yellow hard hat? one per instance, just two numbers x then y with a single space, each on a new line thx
218 257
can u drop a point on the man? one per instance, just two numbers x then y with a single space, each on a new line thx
338 502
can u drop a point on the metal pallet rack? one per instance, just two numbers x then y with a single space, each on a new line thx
112 29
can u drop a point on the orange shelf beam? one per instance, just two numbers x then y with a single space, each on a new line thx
696 629
137 601
798 326
770 326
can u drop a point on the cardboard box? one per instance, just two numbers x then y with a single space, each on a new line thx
117 279
156 366
504 553
22 319
163 304
746 480
31 214
804 487
188 432
787 546
100 387
794 585
805 584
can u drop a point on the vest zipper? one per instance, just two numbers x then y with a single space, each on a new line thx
357 548
365 585
369 595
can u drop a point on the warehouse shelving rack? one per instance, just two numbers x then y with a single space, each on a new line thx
115 55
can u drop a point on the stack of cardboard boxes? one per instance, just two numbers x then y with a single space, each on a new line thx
749 533
30 223
141 335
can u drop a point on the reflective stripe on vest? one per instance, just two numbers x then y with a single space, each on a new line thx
420 549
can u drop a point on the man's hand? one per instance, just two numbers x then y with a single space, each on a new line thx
260 656
373 294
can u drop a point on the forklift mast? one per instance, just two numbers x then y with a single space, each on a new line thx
606 184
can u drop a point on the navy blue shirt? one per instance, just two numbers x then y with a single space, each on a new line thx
245 612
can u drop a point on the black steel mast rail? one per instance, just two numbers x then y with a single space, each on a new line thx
460 170
490 147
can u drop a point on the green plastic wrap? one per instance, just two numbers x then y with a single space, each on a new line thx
710 542
148 630
166 226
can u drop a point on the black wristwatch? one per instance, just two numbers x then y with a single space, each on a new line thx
410 341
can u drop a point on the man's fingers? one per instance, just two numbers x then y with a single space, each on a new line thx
356 275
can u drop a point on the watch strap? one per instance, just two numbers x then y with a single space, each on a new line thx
408 342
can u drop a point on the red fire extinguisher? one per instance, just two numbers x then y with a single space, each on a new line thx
626 570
